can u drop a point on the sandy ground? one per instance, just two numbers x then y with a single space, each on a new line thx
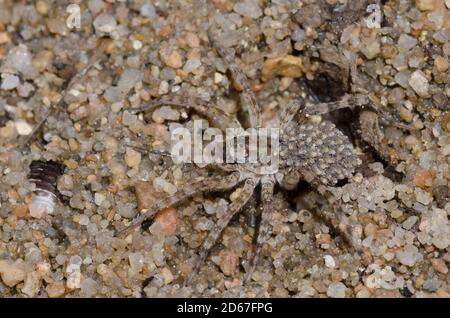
395 52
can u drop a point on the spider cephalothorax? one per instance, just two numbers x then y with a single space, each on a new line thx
316 152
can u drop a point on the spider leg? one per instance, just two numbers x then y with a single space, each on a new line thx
235 206
387 119
368 120
291 109
350 101
250 104
210 184
373 135
217 117
267 186
98 55
347 101
226 167
298 104
344 227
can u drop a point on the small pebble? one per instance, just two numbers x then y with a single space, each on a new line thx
165 113
137 45
405 114
127 210
162 185
409 255
25 89
19 60
89 287
191 65
409 222
163 88
431 284
218 78
65 182
37 210
167 275
31 284
423 196
173 60
128 79
83 220
371 49
74 280
441 64
42 7
192 40
445 122
55 290
148 10
419 84
248 8
406 42
166 219
389 51
424 178
329 261
425 5
105 23
132 157
136 261
439 265
9 81
145 195
287 66
95 6
229 261
21 211
336 290
4 38
99 198
12 273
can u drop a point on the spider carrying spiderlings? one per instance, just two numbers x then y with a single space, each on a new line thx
317 153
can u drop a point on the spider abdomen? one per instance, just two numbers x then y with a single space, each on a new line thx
321 149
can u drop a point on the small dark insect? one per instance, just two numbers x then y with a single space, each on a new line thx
317 153
44 175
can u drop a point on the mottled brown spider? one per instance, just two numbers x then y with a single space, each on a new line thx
318 153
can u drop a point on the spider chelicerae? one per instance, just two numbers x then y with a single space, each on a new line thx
316 152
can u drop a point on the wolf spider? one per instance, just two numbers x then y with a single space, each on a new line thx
317 153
